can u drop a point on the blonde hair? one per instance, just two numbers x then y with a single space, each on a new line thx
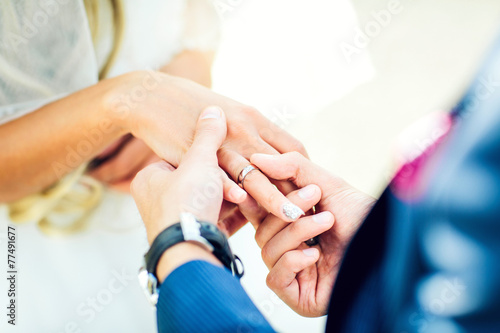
71 200
94 9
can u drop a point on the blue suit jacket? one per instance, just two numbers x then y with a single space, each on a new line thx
423 261
434 259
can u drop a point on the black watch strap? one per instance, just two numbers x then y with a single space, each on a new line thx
204 234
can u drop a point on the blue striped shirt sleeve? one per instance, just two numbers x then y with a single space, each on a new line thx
201 297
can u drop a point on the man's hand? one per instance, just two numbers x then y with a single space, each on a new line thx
196 186
302 276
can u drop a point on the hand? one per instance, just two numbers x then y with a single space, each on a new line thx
162 192
196 186
303 277
162 110
121 161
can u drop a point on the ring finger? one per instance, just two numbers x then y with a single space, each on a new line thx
259 187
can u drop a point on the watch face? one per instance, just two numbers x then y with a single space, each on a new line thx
149 285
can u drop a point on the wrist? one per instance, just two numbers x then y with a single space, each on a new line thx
124 97
186 241
353 206
167 217
181 254
109 106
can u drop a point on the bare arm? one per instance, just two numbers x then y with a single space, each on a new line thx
192 65
119 170
160 109
41 147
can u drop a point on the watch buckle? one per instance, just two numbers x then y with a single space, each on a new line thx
191 231
149 284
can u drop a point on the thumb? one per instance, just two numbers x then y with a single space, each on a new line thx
210 133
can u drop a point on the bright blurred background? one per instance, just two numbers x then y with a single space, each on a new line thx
285 58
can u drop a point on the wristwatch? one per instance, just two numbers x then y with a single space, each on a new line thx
189 229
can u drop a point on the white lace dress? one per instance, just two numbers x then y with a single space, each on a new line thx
86 282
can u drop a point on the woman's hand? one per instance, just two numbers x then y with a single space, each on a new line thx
162 111
119 163
302 276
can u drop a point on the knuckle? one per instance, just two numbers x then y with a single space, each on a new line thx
271 281
259 238
134 186
294 163
298 147
250 111
287 259
273 196
237 129
266 254
150 177
294 156
296 229
209 129
245 116
139 182
206 136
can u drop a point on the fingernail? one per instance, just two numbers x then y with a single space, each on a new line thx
292 212
322 218
307 192
237 193
310 252
212 112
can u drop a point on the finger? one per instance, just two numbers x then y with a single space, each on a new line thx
123 185
232 192
260 146
281 140
253 212
305 198
234 222
210 133
283 186
149 175
270 198
294 235
292 166
153 158
259 187
282 277
227 209
109 152
125 164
